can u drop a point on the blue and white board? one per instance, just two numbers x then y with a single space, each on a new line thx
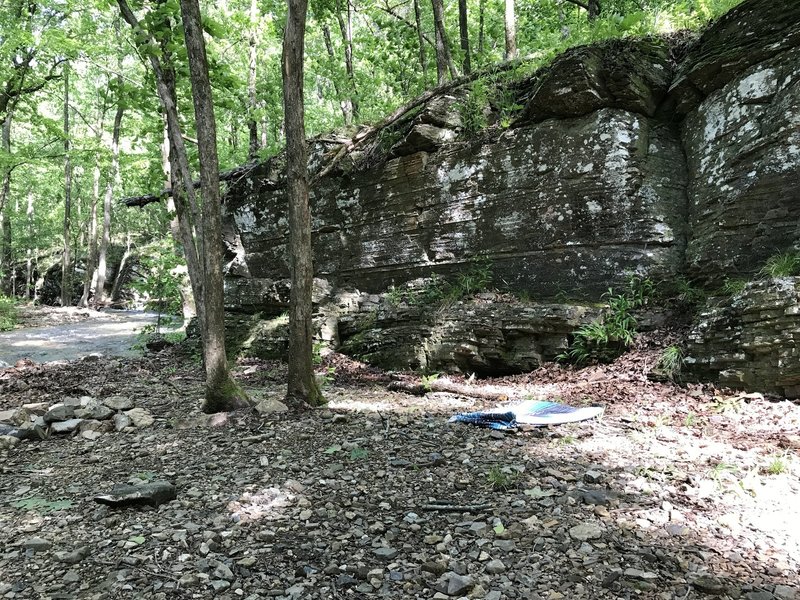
530 412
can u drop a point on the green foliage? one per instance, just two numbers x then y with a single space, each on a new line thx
427 381
604 339
474 107
688 294
731 287
8 313
777 465
316 352
160 278
786 264
502 478
41 505
670 363
358 453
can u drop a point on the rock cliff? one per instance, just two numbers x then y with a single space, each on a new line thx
651 157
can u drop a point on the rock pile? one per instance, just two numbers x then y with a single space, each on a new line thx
87 417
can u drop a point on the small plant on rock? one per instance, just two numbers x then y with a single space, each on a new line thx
785 264
670 363
502 478
778 465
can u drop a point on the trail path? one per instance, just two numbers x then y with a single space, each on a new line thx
109 332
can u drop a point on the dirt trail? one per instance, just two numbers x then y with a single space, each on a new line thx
109 332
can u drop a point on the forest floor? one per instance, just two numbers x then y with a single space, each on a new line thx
677 492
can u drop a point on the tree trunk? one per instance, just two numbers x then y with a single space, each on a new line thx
6 259
91 257
423 62
464 31
222 393
302 387
66 262
444 62
481 15
594 9
511 31
346 29
32 253
105 237
346 107
252 123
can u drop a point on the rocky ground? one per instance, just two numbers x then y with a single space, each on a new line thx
677 492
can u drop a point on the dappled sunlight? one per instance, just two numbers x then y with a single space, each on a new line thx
265 504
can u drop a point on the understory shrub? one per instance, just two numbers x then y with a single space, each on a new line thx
604 339
8 313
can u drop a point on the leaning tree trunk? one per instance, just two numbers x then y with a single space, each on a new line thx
511 31
302 387
444 62
346 29
464 31
66 262
222 393
252 98
423 62
347 108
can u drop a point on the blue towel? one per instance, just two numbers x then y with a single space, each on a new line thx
529 412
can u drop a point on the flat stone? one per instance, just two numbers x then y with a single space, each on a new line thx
140 417
118 402
151 494
37 544
65 426
72 557
640 575
586 531
386 553
94 410
121 421
270 406
72 577
495 566
59 412
8 441
456 585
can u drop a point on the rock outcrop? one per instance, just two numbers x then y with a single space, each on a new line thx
634 157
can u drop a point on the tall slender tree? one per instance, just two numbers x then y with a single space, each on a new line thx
302 387
66 260
510 21
444 61
463 28
199 225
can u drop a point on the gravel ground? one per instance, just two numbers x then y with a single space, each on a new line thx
677 492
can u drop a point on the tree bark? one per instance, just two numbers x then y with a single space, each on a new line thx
346 29
594 9
6 259
252 98
105 236
481 18
464 31
92 252
222 393
66 262
423 62
302 387
444 62
347 112
511 31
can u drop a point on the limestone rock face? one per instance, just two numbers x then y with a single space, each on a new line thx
642 157
593 197
743 152
750 339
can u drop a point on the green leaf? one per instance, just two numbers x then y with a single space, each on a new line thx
333 449
358 453
137 539
499 528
